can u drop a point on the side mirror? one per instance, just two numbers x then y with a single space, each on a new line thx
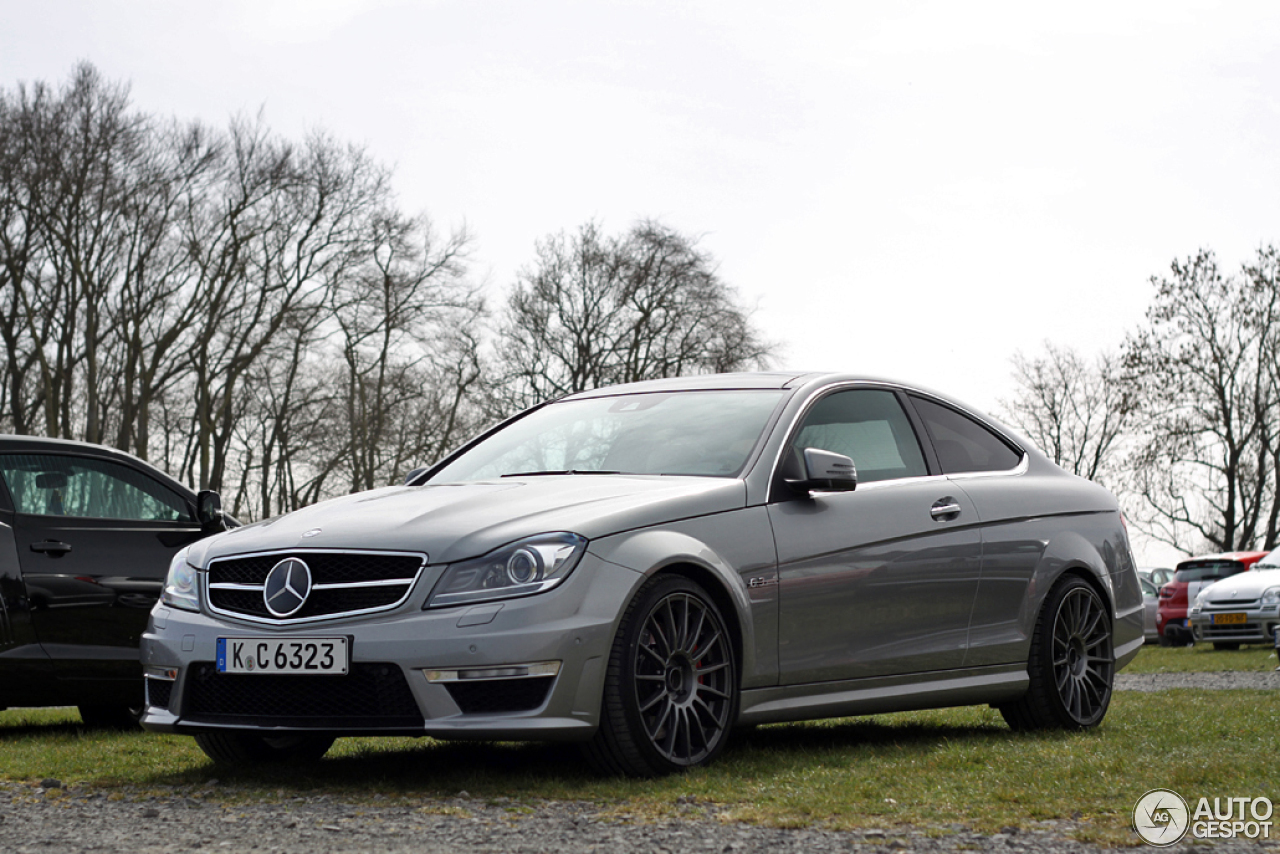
209 511
409 478
825 470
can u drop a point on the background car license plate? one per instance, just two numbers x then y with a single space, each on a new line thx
1219 619
284 655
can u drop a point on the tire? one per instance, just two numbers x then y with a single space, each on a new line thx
668 705
250 748
1071 664
1226 645
110 716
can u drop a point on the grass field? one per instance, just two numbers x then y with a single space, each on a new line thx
930 768
1201 658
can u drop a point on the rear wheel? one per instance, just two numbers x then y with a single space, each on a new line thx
1071 665
250 748
671 690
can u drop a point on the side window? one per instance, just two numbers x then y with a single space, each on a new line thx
867 426
963 445
89 488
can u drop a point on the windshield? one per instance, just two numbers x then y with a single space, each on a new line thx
1271 561
707 433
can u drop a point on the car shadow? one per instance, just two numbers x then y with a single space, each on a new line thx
522 769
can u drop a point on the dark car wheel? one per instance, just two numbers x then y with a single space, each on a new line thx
1071 665
671 690
110 716
249 748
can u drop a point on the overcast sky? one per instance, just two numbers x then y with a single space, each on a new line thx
915 190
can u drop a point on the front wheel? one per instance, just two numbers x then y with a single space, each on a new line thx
671 689
1071 665
250 748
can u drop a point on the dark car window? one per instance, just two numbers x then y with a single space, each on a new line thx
1210 570
1148 589
87 487
868 426
964 445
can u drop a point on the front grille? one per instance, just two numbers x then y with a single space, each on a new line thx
342 583
1230 630
495 696
372 696
1246 604
158 692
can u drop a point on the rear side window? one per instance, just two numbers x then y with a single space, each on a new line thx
87 488
867 426
964 445
1209 570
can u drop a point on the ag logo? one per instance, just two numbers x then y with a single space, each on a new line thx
287 588
1161 817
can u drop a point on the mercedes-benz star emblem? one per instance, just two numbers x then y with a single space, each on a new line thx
287 588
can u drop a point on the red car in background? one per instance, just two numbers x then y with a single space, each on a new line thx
1191 577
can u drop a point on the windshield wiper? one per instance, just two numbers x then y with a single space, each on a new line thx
563 471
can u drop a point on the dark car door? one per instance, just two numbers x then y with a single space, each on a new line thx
881 579
94 538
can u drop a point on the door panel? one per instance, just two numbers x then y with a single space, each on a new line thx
94 538
872 583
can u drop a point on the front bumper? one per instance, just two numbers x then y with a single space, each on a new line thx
1258 626
458 672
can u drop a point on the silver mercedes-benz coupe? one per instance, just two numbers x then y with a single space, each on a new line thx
642 568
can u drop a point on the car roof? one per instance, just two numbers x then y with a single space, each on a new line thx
1239 557
760 380
747 381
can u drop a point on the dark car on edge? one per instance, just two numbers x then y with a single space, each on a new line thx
86 536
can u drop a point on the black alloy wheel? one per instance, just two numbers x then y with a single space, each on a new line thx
671 692
1071 665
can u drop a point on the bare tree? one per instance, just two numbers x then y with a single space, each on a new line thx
1204 468
252 313
397 315
595 310
1075 411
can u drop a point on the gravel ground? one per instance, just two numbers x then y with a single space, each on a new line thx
44 818
1212 681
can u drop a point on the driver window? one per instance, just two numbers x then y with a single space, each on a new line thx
87 487
869 427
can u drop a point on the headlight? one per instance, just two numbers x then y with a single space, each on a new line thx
1271 596
180 585
518 569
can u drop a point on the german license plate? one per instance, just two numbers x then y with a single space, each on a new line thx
290 655
1220 619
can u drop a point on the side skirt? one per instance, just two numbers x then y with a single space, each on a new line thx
964 687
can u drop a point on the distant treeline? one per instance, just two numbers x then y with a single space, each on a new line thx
1183 421
257 315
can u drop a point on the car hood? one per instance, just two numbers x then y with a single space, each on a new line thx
452 522
1247 585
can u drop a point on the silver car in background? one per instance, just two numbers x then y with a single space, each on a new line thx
640 568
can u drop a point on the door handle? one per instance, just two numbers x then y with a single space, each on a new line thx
945 509
53 548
